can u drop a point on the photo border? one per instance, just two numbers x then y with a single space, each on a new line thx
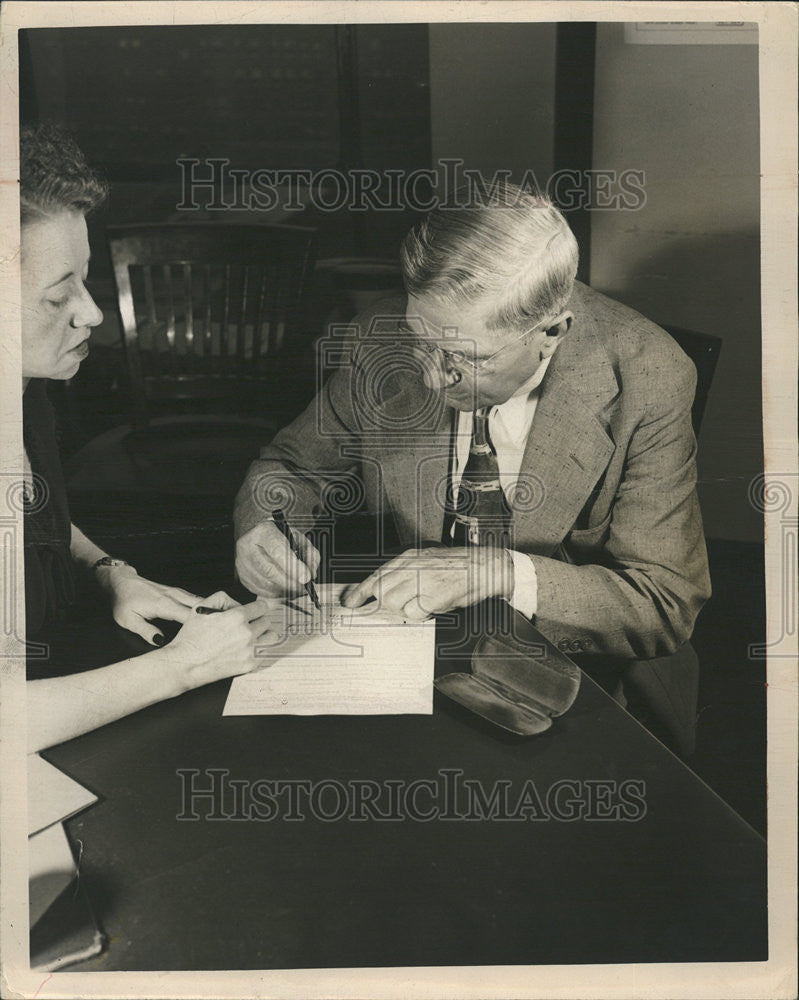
778 86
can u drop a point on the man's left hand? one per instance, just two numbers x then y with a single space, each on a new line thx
134 600
424 582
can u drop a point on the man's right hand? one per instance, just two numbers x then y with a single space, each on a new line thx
266 565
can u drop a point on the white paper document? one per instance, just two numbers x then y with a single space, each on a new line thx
340 661
52 795
51 868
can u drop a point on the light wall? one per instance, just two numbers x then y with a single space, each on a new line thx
687 115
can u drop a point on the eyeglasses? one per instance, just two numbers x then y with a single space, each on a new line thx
457 360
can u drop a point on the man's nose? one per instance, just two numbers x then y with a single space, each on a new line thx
440 377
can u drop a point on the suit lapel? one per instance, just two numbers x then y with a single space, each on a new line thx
569 446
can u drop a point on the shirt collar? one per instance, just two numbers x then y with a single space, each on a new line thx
514 413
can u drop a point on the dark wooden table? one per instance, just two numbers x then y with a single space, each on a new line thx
682 879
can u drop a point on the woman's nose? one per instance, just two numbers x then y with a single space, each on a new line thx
88 312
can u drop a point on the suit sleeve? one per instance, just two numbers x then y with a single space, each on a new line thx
639 592
294 470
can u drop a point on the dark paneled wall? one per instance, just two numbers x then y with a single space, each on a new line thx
265 96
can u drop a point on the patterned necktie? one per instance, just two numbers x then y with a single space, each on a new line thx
479 510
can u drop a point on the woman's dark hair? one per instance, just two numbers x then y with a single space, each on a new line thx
54 174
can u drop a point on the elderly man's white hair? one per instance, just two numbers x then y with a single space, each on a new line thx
504 243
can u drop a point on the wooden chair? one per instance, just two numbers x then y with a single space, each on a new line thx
217 354
662 693
703 349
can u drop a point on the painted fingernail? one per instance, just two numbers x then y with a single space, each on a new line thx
159 640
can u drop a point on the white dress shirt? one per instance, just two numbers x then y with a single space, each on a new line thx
509 427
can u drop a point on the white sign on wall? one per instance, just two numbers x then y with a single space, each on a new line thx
690 33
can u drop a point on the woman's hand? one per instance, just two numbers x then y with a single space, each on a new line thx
208 648
211 647
134 600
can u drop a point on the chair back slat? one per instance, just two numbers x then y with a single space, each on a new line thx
169 303
222 329
205 297
280 322
258 342
188 298
150 327
149 296
206 307
130 338
273 307
241 341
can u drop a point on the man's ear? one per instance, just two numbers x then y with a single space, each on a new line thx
560 326
558 329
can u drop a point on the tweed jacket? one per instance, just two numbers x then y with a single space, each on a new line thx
606 504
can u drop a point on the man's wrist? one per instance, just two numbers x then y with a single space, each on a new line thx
524 594
505 576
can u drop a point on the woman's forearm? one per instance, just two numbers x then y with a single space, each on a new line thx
83 549
61 708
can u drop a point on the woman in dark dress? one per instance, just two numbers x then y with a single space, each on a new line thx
57 189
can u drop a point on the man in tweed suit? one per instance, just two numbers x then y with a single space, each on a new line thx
586 407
